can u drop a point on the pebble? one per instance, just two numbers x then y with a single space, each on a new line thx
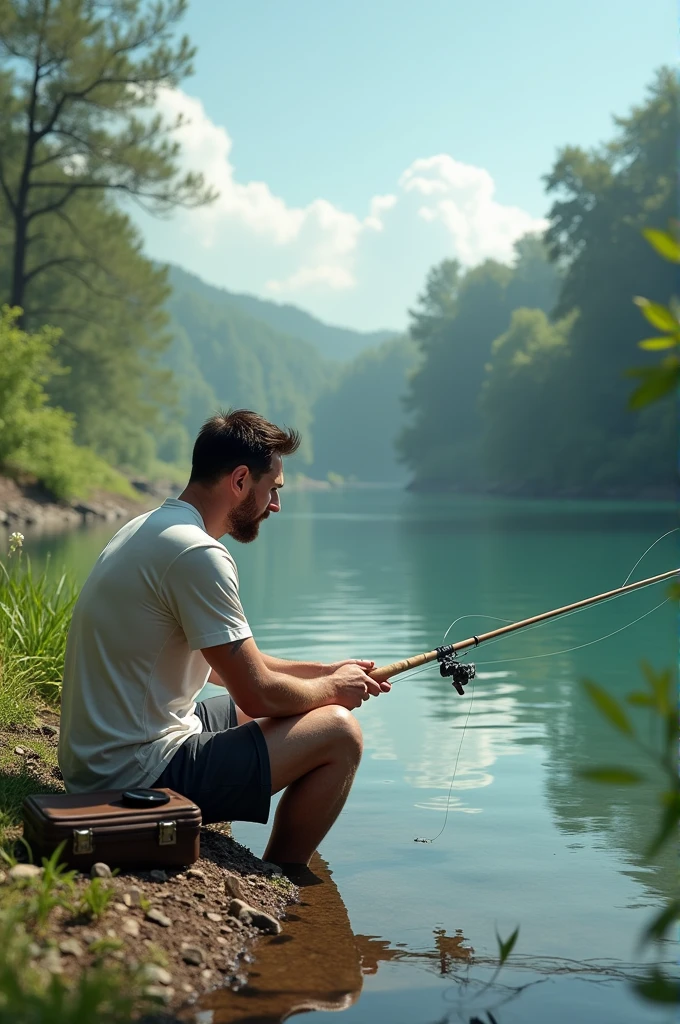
158 917
49 730
130 926
186 987
216 918
20 751
87 935
3 877
22 872
163 994
71 947
100 870
119 908
158 875
232 886
111 932
156 975
200 895
52 961
192 954
195 873
34 950
222 941
249 915
207 975
133 897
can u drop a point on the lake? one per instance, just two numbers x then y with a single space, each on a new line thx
380 573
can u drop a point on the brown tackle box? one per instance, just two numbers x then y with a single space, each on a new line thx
102 827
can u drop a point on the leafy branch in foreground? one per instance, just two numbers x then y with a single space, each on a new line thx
658 381
658 699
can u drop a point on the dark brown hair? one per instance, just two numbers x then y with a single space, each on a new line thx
238 437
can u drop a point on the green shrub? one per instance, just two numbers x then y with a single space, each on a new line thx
36 438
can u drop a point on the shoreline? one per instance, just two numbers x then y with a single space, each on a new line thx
172 935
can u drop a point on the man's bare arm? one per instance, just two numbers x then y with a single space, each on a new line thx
310 669
264 692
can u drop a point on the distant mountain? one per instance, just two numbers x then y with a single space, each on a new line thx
222 357
338 343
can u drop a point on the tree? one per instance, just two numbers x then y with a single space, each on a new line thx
458 318
77 91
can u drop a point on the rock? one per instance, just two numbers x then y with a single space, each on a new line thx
133 897
71 947
130 926
119 908
186 987
158 917
100 870
20 751
222 941
156 975
233 887
158 875
24 872
111 932
200 895
34 950
3 877
207 975
48 730
196 873
52 961
211 916
192 954
249 915
163 994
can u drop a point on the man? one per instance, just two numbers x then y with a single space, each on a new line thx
158 612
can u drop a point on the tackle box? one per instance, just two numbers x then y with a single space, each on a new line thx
108 826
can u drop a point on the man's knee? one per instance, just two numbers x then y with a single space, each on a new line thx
342 728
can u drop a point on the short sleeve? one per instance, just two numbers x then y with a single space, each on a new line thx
201 590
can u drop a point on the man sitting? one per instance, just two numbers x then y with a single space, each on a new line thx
159 610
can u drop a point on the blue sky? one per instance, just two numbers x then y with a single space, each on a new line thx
355 144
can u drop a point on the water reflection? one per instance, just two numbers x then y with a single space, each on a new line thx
317 963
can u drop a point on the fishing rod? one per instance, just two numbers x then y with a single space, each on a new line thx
461 673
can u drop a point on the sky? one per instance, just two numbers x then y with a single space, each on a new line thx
356 143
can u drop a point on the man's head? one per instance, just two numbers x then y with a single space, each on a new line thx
237 467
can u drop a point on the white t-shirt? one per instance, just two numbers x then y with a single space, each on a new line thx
161 590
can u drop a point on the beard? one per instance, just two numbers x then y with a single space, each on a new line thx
244 520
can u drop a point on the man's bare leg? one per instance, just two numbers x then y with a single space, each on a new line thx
314 757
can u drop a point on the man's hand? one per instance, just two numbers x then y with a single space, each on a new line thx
351 684
367 666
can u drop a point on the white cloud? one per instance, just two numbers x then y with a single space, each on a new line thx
334 261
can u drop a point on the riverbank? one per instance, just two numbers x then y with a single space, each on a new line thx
165 937
30 504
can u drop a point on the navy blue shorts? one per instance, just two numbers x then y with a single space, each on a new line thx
224 769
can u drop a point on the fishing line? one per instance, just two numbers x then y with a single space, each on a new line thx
674 530
533 657
453 776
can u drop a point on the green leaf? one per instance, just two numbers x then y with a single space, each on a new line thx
658 988
641 700
609 707
664 243
661 686
657 382
668 827
611 776
657 315
658 344
658 927
506 946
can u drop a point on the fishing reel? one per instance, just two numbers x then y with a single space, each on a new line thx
457 671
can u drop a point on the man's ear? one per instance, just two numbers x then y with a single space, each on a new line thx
239 480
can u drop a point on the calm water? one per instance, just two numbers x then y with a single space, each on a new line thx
382 574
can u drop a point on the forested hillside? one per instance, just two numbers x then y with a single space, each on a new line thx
337 343
522 388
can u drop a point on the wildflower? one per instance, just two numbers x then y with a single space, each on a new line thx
16 542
